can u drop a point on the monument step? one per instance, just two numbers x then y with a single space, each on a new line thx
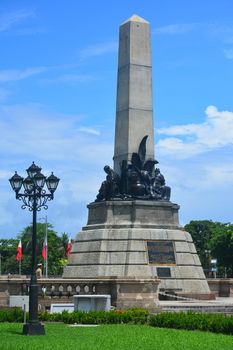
203 308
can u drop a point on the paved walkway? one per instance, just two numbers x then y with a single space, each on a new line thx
217 301
220 305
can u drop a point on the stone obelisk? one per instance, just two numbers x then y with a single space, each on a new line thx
134 113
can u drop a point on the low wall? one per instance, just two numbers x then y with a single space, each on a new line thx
125 292
221 287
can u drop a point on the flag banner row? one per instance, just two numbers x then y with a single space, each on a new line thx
44 250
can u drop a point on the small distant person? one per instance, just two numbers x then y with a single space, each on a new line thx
39 271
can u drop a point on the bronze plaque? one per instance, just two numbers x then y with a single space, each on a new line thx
161 252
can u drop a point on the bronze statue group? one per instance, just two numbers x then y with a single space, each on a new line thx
139 179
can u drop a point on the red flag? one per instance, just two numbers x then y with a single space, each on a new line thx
19 251
68 249
44 249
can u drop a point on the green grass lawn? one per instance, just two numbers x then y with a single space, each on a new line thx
106 337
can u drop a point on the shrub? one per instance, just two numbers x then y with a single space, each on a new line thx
11 315
135 316
216 323
193 321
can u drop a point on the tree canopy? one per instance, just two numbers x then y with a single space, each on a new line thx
56 251
215 240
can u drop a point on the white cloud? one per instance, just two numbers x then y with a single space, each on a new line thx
6 217
69 78
17 74
201 185
196 160
218 175
99 49
219 31
215 132
56 143
3 94
32 30
177 147
175 28
228 54
5 174
89 131
74 78
10 19
32 131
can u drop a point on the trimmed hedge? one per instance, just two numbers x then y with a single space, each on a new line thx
11 315
134 316
216 323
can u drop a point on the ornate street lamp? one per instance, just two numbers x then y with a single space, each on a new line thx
34 197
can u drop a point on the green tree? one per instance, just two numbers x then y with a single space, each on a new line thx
56 251
56 248
8 250
222 248
201 232
215 238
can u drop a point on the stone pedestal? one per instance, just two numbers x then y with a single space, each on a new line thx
141 240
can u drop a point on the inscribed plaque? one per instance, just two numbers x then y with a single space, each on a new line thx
163 272
161 252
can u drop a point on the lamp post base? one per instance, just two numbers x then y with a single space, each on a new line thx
33 329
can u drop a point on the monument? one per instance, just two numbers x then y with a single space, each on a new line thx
133 241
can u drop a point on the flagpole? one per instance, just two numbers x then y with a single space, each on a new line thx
20 266
45 247
46 237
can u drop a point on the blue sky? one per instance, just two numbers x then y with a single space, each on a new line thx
58 92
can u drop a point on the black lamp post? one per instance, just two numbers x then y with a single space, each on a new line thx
34 197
